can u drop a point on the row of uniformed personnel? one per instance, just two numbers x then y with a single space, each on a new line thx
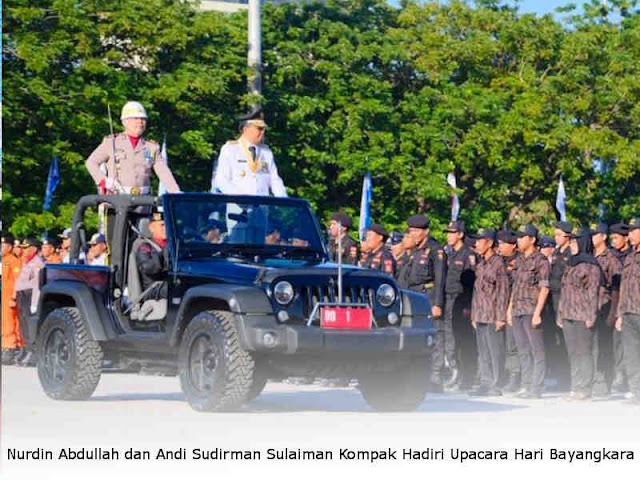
504 279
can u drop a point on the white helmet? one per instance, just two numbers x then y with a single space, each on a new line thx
133 110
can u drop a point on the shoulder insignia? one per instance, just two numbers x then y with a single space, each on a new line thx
388 266
232 142
152 142
16 269
472 260
440 254
353 251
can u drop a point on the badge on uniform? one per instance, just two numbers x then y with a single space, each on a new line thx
263 167
388 266
242 173
148 159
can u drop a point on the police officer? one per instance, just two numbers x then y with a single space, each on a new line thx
621 248
151 259
406 246
558 360
427 273
507 249
350 252
547 246
48 250
379 256
130 171
629 310
459 340
530 292
607 307
246 166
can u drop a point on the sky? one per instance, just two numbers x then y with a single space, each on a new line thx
542 7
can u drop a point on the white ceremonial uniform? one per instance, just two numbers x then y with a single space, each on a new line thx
234 175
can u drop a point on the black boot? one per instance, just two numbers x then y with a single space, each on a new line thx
513 385
9 356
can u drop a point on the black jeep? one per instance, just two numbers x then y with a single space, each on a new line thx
249 295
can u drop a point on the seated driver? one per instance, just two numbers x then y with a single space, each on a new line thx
151 259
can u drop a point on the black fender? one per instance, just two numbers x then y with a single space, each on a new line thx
86 300
241 300
416 310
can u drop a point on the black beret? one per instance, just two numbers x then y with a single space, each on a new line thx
342 218
507 236
566 227
580 231
634 223
419 221
455 226
546 242
486 233
379 229
527 230
620 229
599 228
8 239
49 240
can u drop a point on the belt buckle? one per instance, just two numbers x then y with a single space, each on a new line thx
135 190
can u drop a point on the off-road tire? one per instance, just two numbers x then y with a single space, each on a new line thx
397 391
215 372
69 360
259 380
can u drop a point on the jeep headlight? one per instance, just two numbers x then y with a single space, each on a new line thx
283 292
385 295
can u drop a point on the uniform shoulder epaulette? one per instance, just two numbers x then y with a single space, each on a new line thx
232 142
153 143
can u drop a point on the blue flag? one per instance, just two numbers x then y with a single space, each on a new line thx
560 201
365 212
52 183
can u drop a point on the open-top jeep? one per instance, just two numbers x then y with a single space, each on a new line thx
249 295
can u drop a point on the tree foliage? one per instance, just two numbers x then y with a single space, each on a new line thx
510 101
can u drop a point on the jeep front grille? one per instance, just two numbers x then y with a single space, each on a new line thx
313 294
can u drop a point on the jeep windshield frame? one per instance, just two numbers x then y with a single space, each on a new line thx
201 225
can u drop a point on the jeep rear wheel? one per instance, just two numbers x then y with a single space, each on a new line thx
215 372
69 361
397 391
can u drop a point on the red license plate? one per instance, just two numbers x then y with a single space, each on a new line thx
345 318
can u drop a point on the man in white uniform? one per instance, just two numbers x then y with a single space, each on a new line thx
246 166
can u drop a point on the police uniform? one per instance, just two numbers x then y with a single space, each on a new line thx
350 251
426 273
555 347
132 166
512 363
459 339
381 258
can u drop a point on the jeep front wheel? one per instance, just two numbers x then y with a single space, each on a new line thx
215 372
401 390
69 361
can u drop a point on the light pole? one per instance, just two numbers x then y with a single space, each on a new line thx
254 57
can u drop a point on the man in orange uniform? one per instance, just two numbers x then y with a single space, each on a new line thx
12 341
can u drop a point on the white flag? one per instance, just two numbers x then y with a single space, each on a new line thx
162 189
560 201
455 203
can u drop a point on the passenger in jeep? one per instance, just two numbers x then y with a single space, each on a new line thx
151 259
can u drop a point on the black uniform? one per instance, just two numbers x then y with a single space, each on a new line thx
426 271
381 259
555 348
402 267
350 251
152 266
459 339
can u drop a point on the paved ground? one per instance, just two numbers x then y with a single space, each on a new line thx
148 412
